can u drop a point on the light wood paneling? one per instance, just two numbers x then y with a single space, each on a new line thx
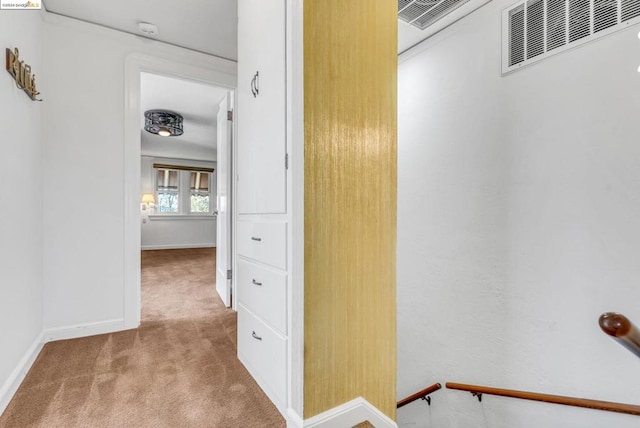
350 73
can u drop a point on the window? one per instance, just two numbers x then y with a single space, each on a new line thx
168 195
183 190
199 192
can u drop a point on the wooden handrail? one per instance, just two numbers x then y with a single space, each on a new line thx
418 395
555 399
622 330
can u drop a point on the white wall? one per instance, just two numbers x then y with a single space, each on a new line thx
21 198
185 231
518 208
84 240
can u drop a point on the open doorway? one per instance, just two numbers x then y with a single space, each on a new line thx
211 71
185 151
214 71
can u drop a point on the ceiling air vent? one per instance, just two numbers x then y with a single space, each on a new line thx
423 13
535 29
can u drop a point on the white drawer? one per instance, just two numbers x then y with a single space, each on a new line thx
264 242
263 352
264 292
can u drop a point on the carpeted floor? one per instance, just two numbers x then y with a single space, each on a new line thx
179 369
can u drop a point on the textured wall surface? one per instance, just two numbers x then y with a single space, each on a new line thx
350 203
518 226
21 286
84 239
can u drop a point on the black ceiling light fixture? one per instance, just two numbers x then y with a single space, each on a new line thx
163 123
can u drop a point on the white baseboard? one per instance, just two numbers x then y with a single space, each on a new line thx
349 414
294 420
83 330
11 385
177 247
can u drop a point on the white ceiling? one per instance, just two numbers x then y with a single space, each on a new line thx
196 102
208 26
408 35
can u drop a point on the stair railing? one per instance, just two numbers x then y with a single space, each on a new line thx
609 406
621 330
423 394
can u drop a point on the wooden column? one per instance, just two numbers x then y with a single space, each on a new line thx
350 84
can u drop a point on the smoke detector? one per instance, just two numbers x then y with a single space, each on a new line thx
147 29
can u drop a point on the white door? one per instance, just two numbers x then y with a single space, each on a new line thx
223 202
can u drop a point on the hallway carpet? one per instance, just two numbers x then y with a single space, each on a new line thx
179 369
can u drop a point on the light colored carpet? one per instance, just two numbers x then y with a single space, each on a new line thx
179 369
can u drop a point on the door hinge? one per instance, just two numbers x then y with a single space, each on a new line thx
229 274
230 115
286 161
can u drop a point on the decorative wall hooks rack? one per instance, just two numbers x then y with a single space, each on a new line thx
21 73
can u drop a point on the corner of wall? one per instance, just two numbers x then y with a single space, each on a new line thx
350 414
21 249
11 385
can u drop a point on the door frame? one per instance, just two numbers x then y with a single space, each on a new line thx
230 215
210 70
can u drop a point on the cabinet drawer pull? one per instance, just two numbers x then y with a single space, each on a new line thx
253 238
256 85
254 282
255 336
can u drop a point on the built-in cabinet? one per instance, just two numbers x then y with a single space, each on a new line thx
315 279
261 171
262 243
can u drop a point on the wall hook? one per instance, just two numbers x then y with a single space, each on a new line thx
477 394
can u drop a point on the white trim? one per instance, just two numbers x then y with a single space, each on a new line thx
265 386
177 247
350 414
162 217
295 180
83 330
142 42
11 385
201 68
293 419
232 189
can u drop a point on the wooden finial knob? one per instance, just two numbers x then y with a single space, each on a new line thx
614 324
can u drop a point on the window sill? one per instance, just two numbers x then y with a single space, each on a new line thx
155 217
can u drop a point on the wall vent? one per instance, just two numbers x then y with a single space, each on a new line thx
423 13
535 29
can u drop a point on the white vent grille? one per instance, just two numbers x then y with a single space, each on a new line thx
579 22
630 9
536 29
516 41
556 24
605 14
423 13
